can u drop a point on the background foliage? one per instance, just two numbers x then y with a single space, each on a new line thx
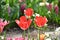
10 10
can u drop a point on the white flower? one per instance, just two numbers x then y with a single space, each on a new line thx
45 25
37 14
57 33
57 29
33 15
41 3
47 34
48 38
2 37
48 12
47 3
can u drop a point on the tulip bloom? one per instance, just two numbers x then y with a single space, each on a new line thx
49 7
23 23
28 12
3 24
22 8
40 21
56 9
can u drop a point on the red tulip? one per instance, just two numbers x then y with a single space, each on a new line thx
23 18
24 23
40 21
28 12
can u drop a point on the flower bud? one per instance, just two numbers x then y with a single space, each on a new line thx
49 7
22 8
56 8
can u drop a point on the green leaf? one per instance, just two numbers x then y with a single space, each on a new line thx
6 16
7 1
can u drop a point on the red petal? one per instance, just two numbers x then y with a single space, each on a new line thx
23 18
40 21
17 21
23 25
29 11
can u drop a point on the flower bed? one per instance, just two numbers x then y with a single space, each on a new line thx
29 14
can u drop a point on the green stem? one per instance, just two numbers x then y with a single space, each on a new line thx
39 35
24 34
5 35
32 38
28 34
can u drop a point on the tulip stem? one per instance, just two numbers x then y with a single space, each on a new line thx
38 34
5 35
28 34
24 34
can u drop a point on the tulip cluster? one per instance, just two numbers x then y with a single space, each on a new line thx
24 22
50 7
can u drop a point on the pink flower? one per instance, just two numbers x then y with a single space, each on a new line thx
3 24
9 38
21 38
49 7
